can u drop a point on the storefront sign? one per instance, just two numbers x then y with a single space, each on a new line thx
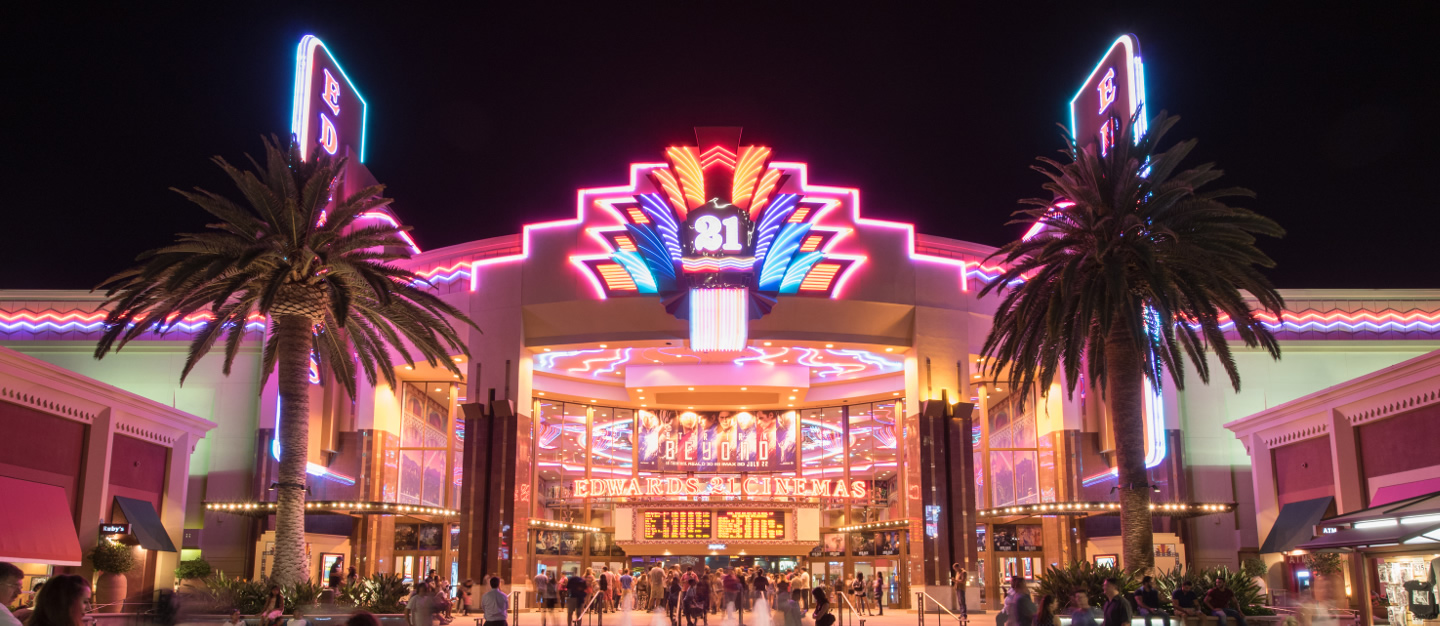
750 525
715 546
719 486
114 529
1111 94
676 524
329 113
709 441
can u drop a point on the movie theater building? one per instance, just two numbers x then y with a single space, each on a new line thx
717 358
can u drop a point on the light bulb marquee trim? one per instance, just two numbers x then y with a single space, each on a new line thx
337 507
1085 509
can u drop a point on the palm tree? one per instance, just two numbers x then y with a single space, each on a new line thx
1143 270
295 254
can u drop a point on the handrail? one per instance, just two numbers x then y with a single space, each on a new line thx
585 610
846 598
515 597
921 596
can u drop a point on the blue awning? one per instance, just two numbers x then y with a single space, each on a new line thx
145 524
1296 524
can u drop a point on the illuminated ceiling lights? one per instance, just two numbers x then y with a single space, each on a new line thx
719 319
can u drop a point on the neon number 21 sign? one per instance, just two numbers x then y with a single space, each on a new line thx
709 238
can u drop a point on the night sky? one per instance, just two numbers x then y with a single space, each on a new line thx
481 121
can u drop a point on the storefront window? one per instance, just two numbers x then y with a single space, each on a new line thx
1014 462
425 440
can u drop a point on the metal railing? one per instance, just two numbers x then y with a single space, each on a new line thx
516 596
846 597
921 597
585 610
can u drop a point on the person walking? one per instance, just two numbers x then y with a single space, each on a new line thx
1049 611
542 594
574 598
495 605
464 597
734 595
1019 608
1082 614
1117 608
1148 599
420 610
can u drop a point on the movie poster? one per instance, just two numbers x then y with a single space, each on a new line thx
833 545
862 544
887 543
717 441
554 542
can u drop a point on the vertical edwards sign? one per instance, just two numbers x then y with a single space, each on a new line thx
328 114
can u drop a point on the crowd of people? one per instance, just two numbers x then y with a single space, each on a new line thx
1119 608
690 595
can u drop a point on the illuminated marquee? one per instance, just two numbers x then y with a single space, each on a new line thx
328 112
676 524
719 486
753 525
718 235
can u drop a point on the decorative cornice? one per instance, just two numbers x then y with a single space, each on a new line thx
1424 398
1309 431
65 393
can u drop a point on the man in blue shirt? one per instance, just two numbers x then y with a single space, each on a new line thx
1082 614
1148 599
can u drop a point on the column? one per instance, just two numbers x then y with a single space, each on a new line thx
1350 494
172 508
95 485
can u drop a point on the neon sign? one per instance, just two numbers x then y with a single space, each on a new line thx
1110 95
719 486
1107 90
328 112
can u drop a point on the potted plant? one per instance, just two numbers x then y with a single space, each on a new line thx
1327 569
193 573
113 561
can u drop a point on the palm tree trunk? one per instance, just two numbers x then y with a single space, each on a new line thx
1125 394
293 356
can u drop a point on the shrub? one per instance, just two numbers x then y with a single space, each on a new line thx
112 558
1254 567
355 594
223 594
386 592
1062 582
1247 593
302 594
198 569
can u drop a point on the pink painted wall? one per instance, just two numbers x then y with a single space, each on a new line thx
1303 470
137 470
1405 442
42 448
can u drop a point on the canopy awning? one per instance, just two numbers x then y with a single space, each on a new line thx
145 524
1381 534
1296 524
37 525
1427 504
